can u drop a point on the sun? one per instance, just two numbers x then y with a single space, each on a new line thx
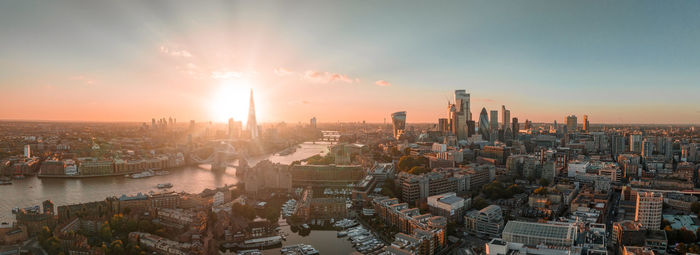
230 100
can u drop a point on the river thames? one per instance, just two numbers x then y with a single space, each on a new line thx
193 179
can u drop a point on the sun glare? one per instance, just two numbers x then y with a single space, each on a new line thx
230 100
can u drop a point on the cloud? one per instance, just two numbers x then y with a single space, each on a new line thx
281 71
326 77
225 75
175 52
382 83
83 79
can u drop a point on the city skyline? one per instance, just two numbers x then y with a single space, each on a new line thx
132 61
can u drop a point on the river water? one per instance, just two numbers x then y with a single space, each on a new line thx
194 179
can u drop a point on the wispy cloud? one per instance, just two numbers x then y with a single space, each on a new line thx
175 51
316 76
83 79
224 75
326 77
382 83
281 71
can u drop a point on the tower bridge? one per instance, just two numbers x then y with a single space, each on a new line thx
218 153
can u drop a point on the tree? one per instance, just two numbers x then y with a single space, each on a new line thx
418 170
695 207
408 162
544 182
479 203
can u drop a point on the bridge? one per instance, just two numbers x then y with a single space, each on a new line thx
217 153
330 136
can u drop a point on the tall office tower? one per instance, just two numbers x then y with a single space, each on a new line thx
452 117
571 123
398 119
515 128
585 123
153 123
443 125
505 119
462 114
647 148
668 148
636 143
471 128
252 124
484 124
462 102
648 211
692 152
494 121
312 123
170 121
231 125
618 145
528 124
27 151
191 124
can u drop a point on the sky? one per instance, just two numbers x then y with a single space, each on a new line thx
615 61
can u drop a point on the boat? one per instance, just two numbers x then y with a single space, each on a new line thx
5 182
305 226
144 174
342 234
161 173
165 185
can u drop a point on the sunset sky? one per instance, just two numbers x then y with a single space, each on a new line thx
616 61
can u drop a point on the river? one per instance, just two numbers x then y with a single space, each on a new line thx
193 179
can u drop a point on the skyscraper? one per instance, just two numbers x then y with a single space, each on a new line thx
398 119
585 123
443 125
484 124
461 114
494 121
618 145
636 143
516 128
252 124
312 123
649 208
571 123
647 148
505 118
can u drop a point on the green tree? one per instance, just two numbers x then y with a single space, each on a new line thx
695 207
479 203
418 170
408 162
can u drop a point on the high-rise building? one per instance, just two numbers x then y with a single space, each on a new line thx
27 151
252 123
312 123
668 150
462 102
484 124
153 123
191 124
585 123
471 128
571 123
636 143
516 128
647 148
398 119
494 121
618 145
649 208
443 125
505 119
461 114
